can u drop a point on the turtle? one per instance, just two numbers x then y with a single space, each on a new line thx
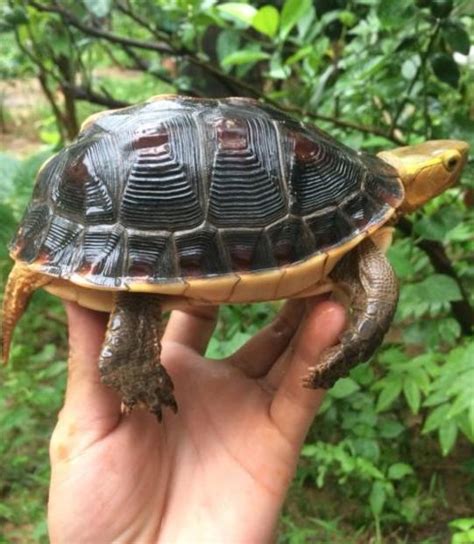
182 201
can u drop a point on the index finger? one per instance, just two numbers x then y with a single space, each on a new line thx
192 327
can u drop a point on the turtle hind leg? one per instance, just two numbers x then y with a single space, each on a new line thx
370 281
130 357
21 284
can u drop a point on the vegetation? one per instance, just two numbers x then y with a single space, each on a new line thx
389 459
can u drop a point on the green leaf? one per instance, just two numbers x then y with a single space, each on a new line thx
300 54
99 8
15 16
266 20
242 12
441 8
436 226
244 57
464 524
377 498
399 256
438 288
9 165
462 402
448 433
398 470
389 393
343 388
456 37
228 42
390 429
392 14
412 393
445 69
410 67
292 12
436 418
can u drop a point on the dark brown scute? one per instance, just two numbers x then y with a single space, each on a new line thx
248 249
185 187
198 251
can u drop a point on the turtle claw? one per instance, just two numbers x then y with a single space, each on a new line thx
151 390
330 368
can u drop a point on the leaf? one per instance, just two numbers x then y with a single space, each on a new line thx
244 56
441 8
447 435
242 12
446 69
99 8
377 498
462 402
228 42
292 12
410 67
8 168
439 224
412 394
456 37
300 54
389 393
464 524
266 20
438 288
398 470
390 429
399 256
392 14
15 16
436 418
343 388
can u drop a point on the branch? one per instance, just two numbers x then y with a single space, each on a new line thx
461 309
42 75
229 80
70 18
143 65
86 93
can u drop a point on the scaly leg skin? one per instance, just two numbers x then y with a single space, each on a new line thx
21 284
366 275
130 357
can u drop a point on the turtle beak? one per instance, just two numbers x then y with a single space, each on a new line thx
427 169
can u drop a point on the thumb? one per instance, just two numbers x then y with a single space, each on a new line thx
91 410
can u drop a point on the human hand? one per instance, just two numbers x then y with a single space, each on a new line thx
219 470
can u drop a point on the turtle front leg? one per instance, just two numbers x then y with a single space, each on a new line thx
130 357
367 277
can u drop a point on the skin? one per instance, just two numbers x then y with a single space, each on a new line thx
218 470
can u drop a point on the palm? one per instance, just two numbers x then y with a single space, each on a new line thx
216 471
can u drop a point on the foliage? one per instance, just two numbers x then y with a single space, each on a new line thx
373 73
464 531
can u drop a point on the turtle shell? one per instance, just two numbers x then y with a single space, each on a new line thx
178 188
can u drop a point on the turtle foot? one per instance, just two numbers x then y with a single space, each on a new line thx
130 358
332 366
150 388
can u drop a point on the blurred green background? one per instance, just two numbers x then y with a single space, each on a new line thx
390 459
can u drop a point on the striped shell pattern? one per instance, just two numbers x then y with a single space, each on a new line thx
179 187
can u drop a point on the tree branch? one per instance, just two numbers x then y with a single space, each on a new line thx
232 82
86 93
461 309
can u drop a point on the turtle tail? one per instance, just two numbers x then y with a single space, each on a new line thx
21 284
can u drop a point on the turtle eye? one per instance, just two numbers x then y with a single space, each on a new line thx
451 160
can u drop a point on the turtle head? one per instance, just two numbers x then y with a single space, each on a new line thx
427 169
